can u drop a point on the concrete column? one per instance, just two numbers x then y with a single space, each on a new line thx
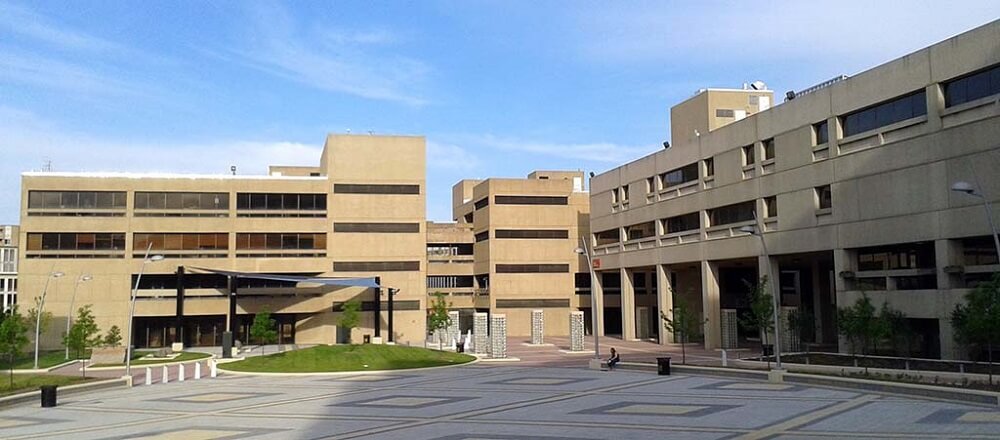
498 336
843 261
935 105
664 301
628 305
817 302
949 350
597 289
834 135
710 304
947 253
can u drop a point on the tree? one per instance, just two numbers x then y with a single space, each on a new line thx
83 335
761 315
437 318
349 317
977 322
32 318
13 338
263 329
113 338
860 324
895 328
682 322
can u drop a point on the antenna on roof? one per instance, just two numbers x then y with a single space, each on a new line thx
232 169
47 165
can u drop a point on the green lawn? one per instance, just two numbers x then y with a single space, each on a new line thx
46 359
137 359
327 358
29 382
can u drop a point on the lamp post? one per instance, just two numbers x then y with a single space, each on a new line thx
131 311
968 188
585 251
751 229
69 316
38 313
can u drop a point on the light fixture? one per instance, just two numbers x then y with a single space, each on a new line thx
749 229
964 187
580 251
156 258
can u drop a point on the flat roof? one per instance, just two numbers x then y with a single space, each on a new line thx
123 175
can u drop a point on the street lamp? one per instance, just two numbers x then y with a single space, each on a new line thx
585 251
69 316
968 188
131 310
751 229
38 313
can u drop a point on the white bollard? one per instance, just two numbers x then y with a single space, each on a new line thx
214 371
725 358
197 370
180 374
149 376
166 374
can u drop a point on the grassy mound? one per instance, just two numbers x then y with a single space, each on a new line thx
333 358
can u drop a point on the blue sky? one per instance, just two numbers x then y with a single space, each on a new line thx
498 88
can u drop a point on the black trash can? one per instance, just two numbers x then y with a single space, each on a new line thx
459 348
768 350
663 366
48 396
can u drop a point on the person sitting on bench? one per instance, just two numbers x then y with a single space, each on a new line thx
613 360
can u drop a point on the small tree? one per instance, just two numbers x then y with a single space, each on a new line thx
437 318
13 338
895 329
860 324
84 334
113 338
32 318
263 329
761 315
349 317
977 322
682 322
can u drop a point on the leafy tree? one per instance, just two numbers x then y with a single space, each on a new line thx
801 322
84 334
13 337
761 315
860 324
349 316
682 322
263 329
895 328
32 319
113 338
977 322
437 318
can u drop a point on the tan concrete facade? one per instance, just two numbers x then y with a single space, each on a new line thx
847 204
525 232
360 213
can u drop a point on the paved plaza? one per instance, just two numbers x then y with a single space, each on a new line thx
485 401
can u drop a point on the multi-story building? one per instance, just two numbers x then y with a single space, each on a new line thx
849 182
8 266
525 232
449 270
359 213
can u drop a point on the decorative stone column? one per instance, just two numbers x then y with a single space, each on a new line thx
453 332
790 341
480 329
498 336
576 331
730 332
537 327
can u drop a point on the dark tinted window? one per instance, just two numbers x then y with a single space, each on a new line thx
377 227
76 199
768 149
281 201
641 230
280 240
900 256
735 213
178 200
531 233
180 241
372 188
822 132
972 87
824 197
375 266
532 268
681 175
482 203
681 223
531 200
885 113
979 251
607 237
47 241
482 236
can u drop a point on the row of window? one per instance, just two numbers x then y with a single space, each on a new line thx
535 234
174 241
522 200
76 199
281 201
449 281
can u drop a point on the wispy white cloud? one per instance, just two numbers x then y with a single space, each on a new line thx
341 61
22 68
450 156
601 152
26 23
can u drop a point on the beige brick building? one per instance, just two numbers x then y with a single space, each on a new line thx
359 213
850 182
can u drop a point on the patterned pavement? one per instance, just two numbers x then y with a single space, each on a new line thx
493 401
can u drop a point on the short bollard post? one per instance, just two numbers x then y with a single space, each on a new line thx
725 358
197 370
180 374
166 374
214 369
149 376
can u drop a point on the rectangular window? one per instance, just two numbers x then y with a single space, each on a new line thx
641 230
748 155
885 113
821 132
449 281
650 185
581 280
532 233
188 201
280 241
482 236
824 197
735 213
377 227
51 241
896 257
768 148
624 193
709 165
180 241
531 200
972 86
614 196
610 236
770 206
78 200
532 268
724 113
679 176
482 203
374 188
681 223
979 251
376 266
278 202
532 303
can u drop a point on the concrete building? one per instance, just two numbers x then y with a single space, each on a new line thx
525 232
8 266
359 213
849 182
450 261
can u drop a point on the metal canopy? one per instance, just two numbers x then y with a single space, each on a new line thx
367 282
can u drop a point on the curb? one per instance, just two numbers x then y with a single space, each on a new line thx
69 390
159 364
917 390
46 370
339 373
